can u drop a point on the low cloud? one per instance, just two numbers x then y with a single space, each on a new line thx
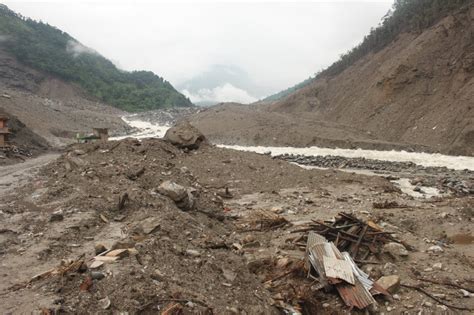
223 93
77 49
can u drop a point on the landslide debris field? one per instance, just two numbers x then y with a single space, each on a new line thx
416 93
51 108
147 227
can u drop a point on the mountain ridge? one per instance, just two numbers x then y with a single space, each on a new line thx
47 48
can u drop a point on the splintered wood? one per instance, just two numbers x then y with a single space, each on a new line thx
358 238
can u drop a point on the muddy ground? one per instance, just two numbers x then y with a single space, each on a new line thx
214 258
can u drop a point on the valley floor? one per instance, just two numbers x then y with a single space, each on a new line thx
216 258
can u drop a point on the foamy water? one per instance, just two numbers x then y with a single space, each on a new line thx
148 130
145 129
424 159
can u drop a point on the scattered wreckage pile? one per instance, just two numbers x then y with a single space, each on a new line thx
148 235
334 254
13 152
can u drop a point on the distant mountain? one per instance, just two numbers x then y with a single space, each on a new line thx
46 48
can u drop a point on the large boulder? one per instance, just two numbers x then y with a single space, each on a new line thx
184 135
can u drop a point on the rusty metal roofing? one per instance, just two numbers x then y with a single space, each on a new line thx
355 295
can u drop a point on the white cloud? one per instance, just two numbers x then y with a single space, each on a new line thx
77 49
224 93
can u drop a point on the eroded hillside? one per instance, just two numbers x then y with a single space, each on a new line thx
418 90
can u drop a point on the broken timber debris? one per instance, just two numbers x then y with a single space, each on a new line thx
360 239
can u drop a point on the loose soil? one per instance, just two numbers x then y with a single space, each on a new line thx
211 259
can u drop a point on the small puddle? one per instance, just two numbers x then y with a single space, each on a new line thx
462 239
409 189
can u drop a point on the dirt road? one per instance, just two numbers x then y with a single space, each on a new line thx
14 176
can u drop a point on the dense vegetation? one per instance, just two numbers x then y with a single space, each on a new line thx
47 48
289 90
405 16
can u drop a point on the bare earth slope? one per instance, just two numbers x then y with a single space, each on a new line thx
52 108
418 92
256 125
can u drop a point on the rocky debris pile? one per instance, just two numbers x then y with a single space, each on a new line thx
167 257
23 142
184 136
331 161
460 186
14 153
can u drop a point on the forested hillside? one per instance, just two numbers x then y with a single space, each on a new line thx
289 90
48 49
405 16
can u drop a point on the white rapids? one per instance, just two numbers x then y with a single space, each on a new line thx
420 158
145 129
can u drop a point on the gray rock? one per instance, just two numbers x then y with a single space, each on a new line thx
395 250
172 190
390 283
97 275
150 225
184 135
56 216
182 196
435 249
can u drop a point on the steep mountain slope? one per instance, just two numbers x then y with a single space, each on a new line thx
418 90
53 109
414 93
48 49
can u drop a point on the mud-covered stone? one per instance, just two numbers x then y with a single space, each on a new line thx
184 135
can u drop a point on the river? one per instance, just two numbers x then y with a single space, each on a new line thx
147 129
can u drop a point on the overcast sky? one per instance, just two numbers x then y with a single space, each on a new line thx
248 49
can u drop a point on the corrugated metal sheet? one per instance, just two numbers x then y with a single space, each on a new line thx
354 295
361 275
313 239
338 268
